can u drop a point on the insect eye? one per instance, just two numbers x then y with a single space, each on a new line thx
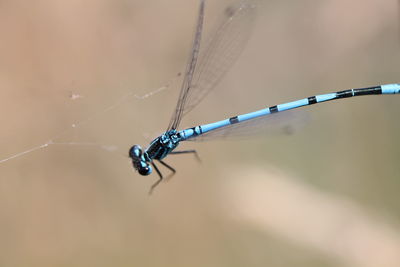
135 152
145 170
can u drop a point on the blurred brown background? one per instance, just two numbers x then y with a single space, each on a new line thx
324 196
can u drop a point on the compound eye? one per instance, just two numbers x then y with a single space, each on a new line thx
145 170
135 152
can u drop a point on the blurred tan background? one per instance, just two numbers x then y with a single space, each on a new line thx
326 195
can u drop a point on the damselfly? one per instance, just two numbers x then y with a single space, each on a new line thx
204 69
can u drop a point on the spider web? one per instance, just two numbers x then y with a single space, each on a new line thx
52 141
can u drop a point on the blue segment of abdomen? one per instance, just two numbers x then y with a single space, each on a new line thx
254 114
325 97
294 104
391 88
195 131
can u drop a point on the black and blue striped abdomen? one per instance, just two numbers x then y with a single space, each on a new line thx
376 90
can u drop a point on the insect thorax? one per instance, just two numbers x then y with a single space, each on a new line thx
161 146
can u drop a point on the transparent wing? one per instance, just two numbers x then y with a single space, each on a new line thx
286 122
221 51
190 67
219 54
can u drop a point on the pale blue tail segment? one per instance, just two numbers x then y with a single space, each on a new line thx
391 88
207 128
